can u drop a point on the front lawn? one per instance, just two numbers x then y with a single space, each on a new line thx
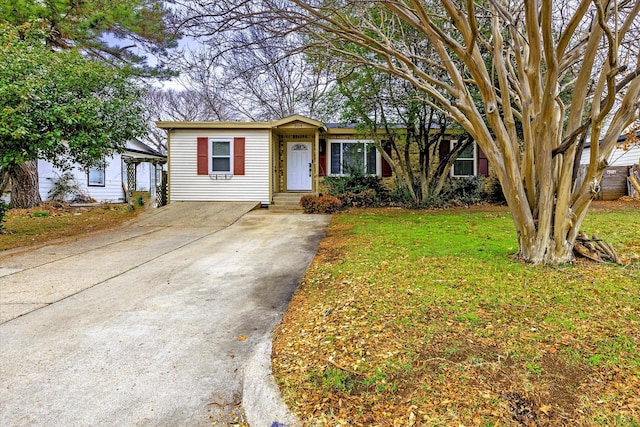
52 221
424 318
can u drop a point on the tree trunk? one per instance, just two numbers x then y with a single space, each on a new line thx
25 192
550 242
542 248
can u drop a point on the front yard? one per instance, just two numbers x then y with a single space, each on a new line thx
53 220
423 318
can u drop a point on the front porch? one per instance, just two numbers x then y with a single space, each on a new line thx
295 148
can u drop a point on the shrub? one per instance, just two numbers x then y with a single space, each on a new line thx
320 204
356 183
400 195
66 189
363 199
357 189
464 190
4 207
492 191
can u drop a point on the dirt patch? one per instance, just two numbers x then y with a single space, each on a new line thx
614 205
540 395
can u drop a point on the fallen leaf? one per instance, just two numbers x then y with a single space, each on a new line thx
242 338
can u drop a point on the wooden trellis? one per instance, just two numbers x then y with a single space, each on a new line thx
161 188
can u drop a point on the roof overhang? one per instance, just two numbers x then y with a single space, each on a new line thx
295 122
213 125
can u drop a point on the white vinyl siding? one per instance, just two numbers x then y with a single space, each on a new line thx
618 157
111 191
186 185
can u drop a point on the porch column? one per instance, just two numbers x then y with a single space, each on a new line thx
316 163
272 166
161 183
132 165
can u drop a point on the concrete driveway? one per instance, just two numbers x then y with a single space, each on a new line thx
152 324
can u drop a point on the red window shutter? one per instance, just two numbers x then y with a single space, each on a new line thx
483 163
238 156
445 147
323 165
203 155
386 167
322 158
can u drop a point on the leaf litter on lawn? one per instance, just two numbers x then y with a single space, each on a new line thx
382 334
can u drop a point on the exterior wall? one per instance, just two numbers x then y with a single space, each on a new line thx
186 185
613 184
111 192
618 157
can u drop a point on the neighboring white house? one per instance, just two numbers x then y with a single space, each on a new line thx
621 156
109 183
614 179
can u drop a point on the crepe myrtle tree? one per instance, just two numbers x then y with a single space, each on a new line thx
58 106
530 81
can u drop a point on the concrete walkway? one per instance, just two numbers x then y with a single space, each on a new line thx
153 324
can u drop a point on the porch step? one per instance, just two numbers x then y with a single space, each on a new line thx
286 201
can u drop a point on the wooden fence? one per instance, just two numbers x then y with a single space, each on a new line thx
615 182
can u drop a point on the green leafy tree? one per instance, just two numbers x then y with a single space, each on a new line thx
133 28
59 106
120 33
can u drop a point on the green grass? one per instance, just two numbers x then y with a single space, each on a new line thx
434 300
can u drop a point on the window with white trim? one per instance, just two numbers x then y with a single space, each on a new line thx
349 155
465 164
96 176
221 156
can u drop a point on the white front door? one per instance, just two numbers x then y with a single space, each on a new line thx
298 166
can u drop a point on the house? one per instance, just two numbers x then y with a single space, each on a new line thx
262 161
109 182
613 184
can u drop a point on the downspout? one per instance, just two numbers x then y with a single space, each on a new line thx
169 165
316 162
272 171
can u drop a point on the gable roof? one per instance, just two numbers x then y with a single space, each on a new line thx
290 121
139 150
297 118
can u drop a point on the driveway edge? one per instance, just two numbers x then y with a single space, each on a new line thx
263 406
